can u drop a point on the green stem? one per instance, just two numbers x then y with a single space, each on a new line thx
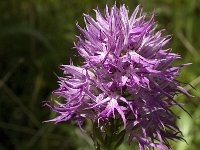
111 138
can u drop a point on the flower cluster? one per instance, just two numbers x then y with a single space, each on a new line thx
127 75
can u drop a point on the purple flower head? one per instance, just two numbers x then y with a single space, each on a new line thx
127 75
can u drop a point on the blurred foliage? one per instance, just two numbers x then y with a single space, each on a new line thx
36 36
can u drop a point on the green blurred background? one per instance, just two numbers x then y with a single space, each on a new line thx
36 36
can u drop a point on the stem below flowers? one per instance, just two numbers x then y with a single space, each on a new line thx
111 137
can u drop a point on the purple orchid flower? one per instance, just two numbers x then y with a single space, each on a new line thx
127 74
